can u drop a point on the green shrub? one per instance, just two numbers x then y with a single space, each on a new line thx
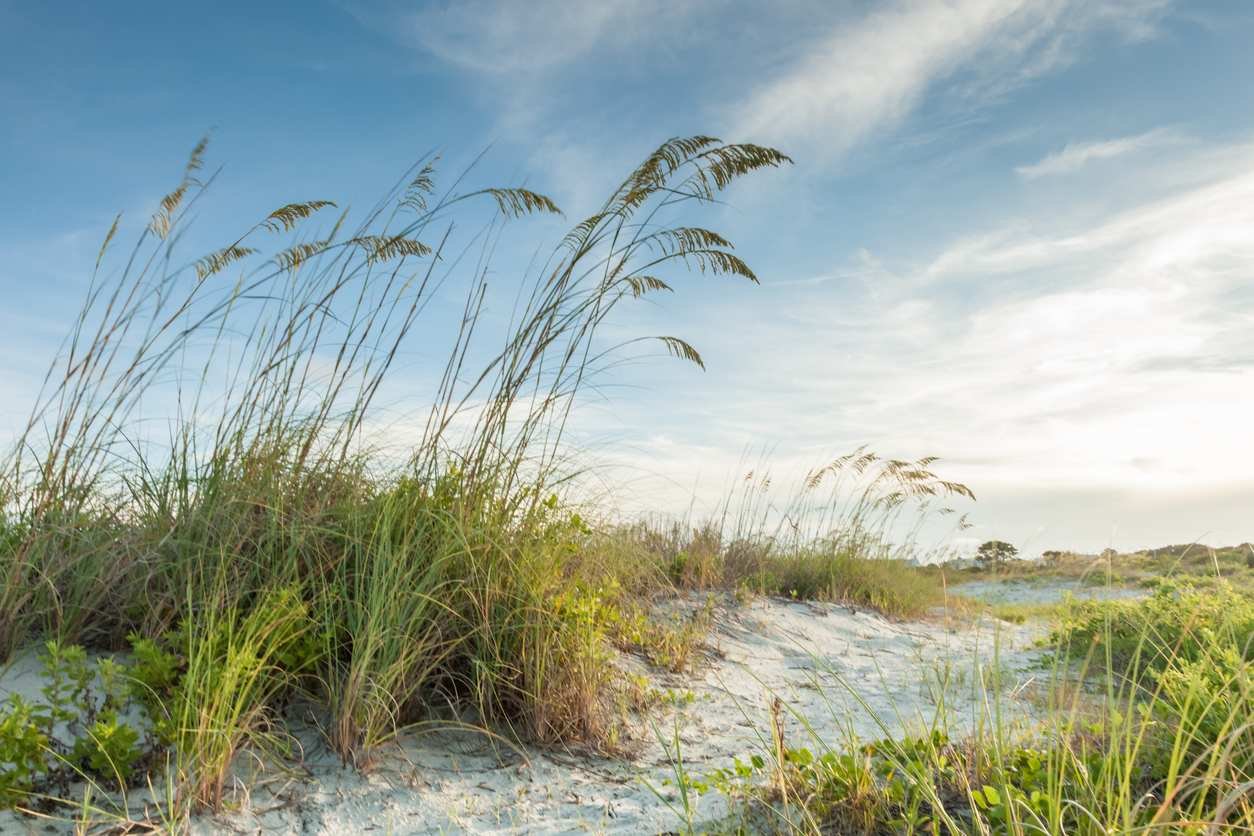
1206 696
78 729
108 747
1177 624
67 679
23 749
154 668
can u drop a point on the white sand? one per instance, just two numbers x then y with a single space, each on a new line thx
454 782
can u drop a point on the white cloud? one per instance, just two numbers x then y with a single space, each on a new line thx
1193 223
1076 155
869 75
1078 356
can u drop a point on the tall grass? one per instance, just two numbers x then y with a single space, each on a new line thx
848 531
434 581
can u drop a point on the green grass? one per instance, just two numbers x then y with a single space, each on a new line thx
1020 613
890 586
1145 730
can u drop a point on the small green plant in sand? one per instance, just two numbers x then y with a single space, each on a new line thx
23 750
85 725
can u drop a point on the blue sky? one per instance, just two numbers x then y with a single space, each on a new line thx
1019 234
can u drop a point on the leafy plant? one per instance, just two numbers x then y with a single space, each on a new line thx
67 677
23 749
108 747
80 728
154 668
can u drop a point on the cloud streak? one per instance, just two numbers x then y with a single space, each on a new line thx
1077 155
869 75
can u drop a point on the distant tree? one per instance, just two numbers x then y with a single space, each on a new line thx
995 554
1051 555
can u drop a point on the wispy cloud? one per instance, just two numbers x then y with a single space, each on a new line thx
1076 355
501 37
1188 226
1076 155
869 74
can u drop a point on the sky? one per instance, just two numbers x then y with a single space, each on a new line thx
1018 234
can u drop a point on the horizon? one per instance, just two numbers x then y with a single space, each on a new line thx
1015 236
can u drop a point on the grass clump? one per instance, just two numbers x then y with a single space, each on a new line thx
826 540
1023 612
238 662
891 586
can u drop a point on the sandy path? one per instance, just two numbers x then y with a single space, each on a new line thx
801 652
